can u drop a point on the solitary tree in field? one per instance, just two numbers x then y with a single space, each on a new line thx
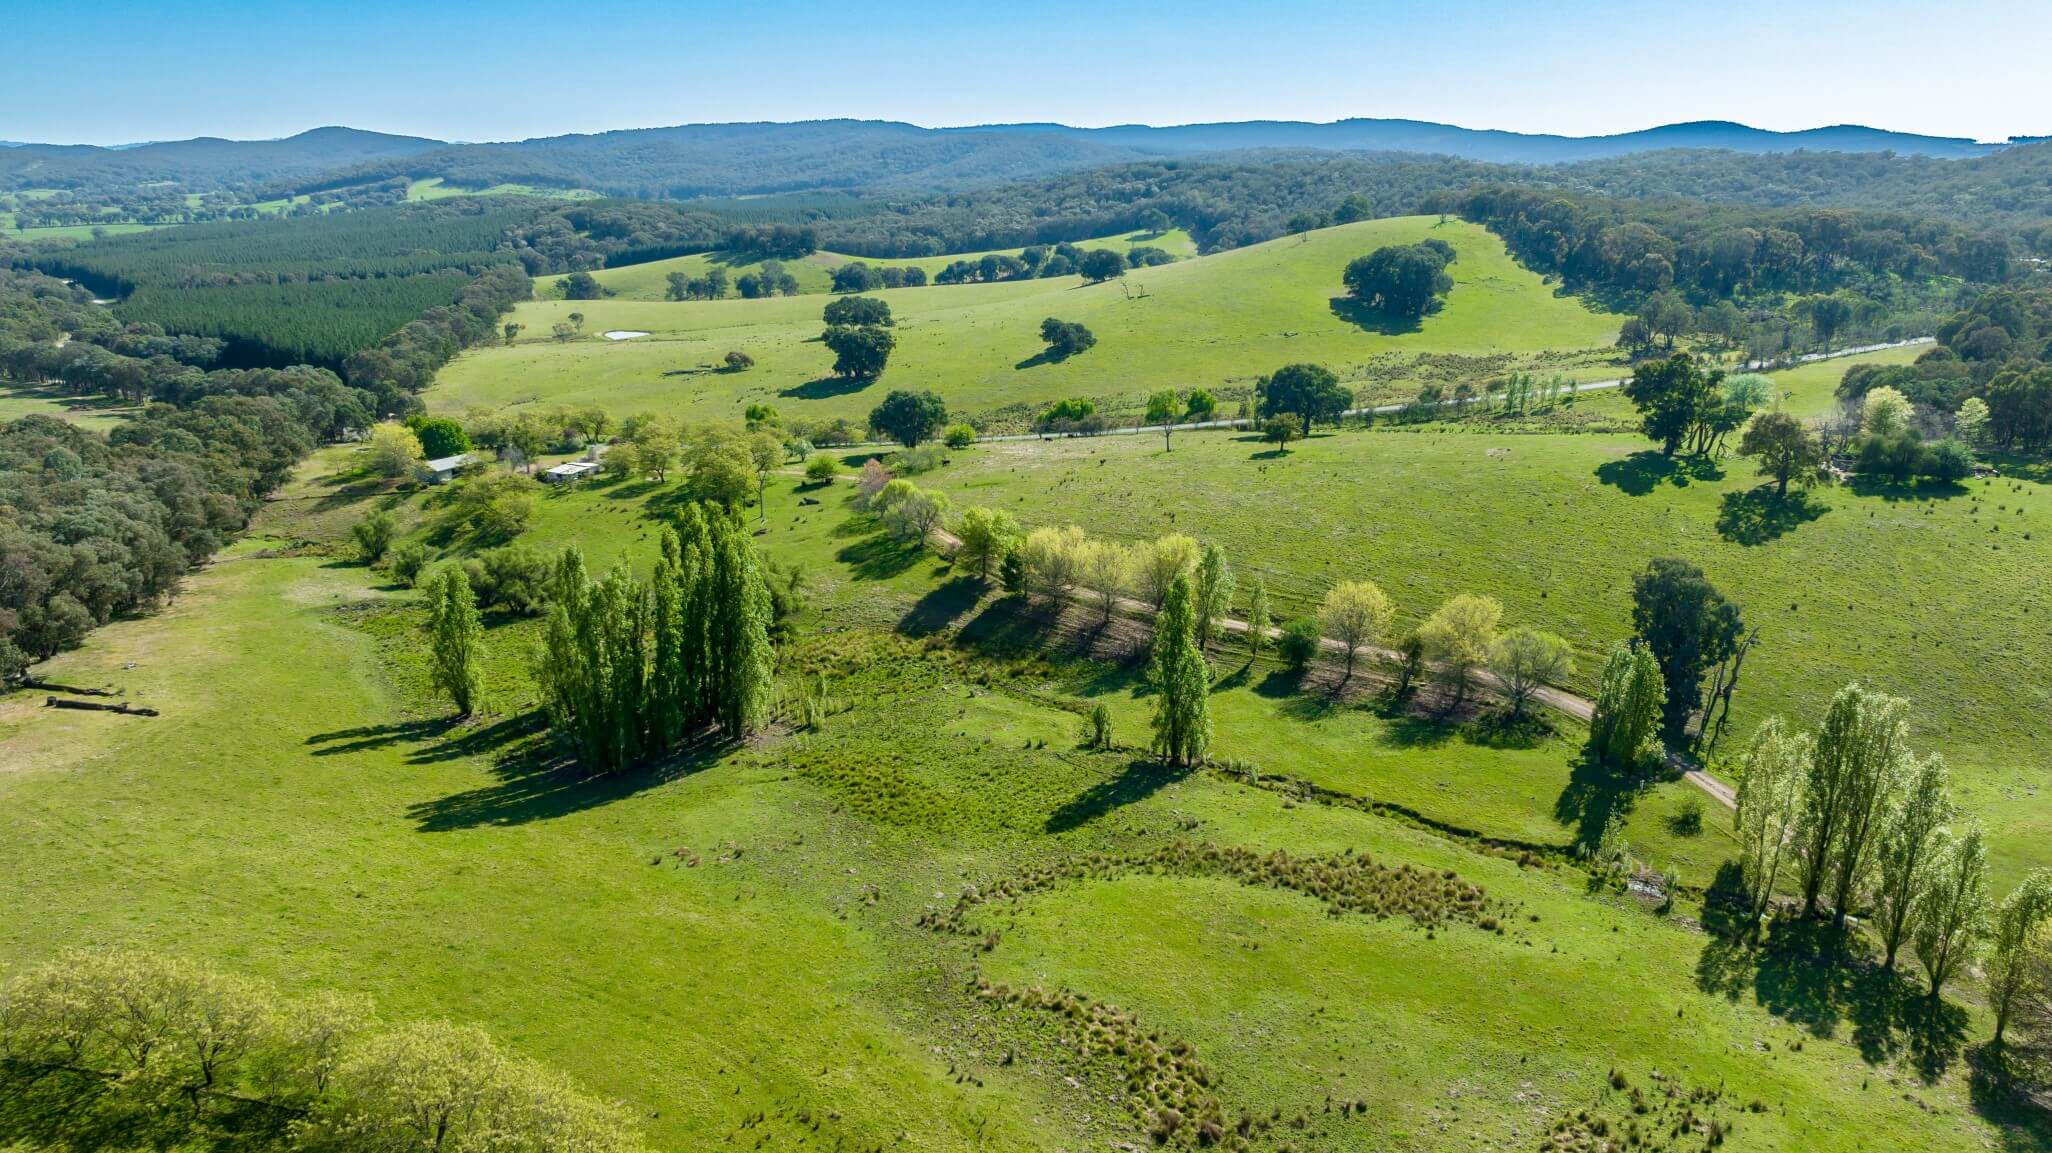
1182 712
860 352
1785 449
457 638
1065 338
909 417
1162 408
512 331
1356 614
1310 392
1526 660
1401 279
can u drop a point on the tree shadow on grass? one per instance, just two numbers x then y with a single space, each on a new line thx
1759 516
1136 782
1642 472
1044 356
1008 628
1896 491
1373 319
2004 1085
827 387
879 557
1818 976
533 784
1594 794
83 1113
942 606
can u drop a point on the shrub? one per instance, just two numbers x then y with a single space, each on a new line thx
374 535
821 469
1100 726
1299 643
925 458
407 561
959 436
738 361
514 578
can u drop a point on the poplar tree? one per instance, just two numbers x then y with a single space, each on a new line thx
1770 807
1952 909
2017 922
1904 855
1629 699
1182 711
457 638
1257 620
742 659
1853 770
1214 592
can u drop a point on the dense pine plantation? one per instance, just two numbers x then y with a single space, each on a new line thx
1011 640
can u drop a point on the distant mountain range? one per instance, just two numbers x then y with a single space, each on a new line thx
1502 147
853 155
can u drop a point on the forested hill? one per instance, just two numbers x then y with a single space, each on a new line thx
701 160
695 161
202 165
1363 135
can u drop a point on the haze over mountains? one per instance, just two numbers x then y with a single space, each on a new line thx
858 155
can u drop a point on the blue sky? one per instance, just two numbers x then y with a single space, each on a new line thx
110 71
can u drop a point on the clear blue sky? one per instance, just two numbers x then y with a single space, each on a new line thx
111 71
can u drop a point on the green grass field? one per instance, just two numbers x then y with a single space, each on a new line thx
1934 595
433 189
738 935
93 412
1216 321
651 281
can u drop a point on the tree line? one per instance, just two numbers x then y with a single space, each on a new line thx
215 1058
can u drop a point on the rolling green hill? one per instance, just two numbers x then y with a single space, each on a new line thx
745 927
1935 595
650 281
1217 322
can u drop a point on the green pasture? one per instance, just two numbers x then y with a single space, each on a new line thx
1216 322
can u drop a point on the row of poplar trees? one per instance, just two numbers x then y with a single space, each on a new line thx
630 669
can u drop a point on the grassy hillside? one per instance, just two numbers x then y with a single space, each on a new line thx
1937 595
1216 321
651 281
741 929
